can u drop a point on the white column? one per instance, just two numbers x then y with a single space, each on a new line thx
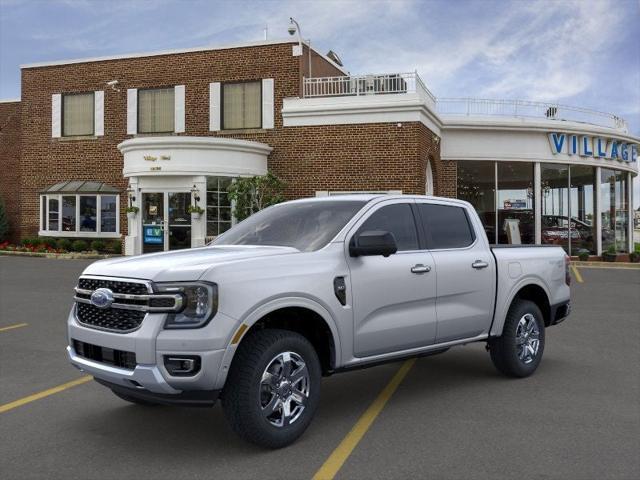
598 213
630 210
199 226
537 204
214 106
133 240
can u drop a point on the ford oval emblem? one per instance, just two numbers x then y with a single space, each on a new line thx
102 298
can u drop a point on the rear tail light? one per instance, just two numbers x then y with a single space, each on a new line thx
567 273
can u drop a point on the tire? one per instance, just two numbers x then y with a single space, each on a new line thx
506 353
258 388
135 400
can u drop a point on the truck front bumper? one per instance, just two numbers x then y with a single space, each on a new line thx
149 347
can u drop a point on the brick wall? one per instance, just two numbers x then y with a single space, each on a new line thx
341 157
10 161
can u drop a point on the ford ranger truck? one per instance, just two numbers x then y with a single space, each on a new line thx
308 288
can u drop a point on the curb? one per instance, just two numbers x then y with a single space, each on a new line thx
612 265
60 256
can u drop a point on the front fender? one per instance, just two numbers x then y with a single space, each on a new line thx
257 312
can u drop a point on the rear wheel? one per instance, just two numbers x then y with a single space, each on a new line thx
518 352
273 387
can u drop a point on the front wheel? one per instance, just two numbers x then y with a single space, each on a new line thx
518 352
273 387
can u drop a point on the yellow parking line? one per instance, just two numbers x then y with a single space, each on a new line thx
576 273
37 396
11 327
335 461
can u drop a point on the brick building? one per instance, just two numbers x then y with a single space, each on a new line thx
164 130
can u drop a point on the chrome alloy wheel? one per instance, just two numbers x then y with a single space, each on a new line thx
527 338
284 389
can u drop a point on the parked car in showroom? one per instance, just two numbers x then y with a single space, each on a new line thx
309 288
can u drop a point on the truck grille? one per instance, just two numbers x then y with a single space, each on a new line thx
129 303
115 319
115 286
117 358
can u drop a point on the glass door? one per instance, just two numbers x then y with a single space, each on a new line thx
153 216
179 220
166 224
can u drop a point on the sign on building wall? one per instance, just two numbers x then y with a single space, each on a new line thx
590 146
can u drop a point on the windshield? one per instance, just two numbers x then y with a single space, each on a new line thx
306 226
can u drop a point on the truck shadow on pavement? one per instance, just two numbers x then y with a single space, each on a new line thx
439 382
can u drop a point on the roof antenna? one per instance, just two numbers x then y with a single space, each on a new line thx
266 33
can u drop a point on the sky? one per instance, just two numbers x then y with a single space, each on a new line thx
584 53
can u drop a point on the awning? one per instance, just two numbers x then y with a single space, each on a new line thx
81 186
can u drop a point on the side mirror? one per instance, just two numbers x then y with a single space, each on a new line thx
373 242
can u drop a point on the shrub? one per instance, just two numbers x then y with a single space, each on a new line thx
252 194
26 241
114 247
583 255
79 246
64 244
47 242
98 245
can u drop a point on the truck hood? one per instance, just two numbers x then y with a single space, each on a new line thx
180 265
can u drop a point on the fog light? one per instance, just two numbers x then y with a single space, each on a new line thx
182 366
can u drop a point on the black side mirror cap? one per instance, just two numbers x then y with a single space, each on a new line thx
373 242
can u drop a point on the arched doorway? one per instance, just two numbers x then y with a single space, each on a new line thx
429 179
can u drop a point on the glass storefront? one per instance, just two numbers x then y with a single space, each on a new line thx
477 185
614 210
582 205
516 220
504 196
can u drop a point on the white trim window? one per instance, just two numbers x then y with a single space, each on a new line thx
219 206
79 114
242 105
156 110
80 215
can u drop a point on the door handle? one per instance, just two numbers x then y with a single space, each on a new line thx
478 264
419 268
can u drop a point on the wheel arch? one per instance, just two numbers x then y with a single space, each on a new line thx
532 289
299 314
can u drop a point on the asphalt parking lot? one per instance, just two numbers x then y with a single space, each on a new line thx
452 415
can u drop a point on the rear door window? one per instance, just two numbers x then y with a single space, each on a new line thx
446 226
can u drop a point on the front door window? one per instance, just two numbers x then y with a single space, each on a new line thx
179 220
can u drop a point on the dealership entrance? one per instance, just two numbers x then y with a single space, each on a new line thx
166 223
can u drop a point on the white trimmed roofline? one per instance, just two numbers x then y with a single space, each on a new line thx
9 100
174 52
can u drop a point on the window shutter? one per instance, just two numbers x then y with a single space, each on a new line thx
56 115
179 112
98 111
267 103
214 106
132 111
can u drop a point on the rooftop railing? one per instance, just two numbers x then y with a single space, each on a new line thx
357 85
402 83
528 109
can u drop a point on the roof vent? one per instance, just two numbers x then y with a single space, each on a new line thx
333 56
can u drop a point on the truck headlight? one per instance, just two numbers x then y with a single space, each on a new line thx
200 303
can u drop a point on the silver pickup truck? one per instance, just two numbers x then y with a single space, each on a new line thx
309 288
